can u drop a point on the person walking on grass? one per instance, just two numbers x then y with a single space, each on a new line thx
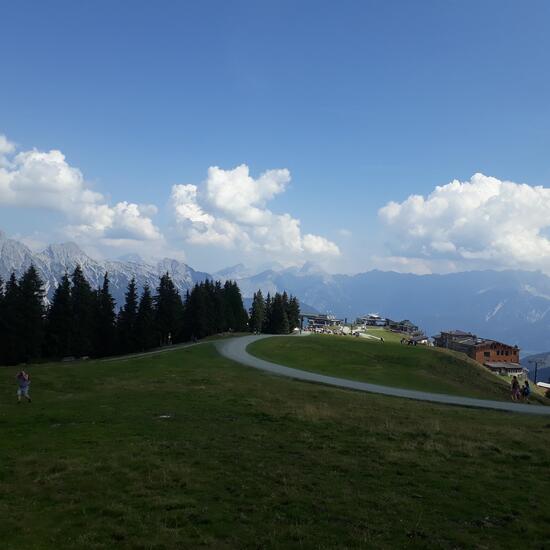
515 389
526 391
23 383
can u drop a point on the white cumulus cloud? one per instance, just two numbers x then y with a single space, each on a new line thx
481 223
44 179
6 147
230 209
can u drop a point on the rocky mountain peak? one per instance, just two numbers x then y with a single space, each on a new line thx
65 253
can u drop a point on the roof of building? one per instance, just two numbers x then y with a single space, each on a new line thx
469 339
503 365
481 342
457 333
319 316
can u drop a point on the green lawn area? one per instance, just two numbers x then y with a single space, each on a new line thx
248 460
389 363
386 334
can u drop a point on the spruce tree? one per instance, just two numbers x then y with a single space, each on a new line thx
83 314
168 310
187 318
284 297
126 323
12 322
267 324
59 321
145 321
210 307
3 326
293 313
222 318
257 312
234 307
31 315
198 314
279 319
104 322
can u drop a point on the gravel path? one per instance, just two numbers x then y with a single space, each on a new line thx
235 349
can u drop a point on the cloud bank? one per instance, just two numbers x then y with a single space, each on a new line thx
45 180
481 223
230 210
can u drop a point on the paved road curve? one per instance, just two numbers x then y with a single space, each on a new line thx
235 349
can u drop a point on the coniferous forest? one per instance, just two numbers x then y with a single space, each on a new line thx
80 321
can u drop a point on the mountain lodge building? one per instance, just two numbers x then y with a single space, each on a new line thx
496 356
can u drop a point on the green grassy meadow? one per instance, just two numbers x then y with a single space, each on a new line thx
389 363
188 450
389 336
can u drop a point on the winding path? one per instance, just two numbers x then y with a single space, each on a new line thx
235 349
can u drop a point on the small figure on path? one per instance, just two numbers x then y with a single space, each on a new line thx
526 390
23 383
515 389
382 339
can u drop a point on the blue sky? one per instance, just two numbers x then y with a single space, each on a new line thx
362 102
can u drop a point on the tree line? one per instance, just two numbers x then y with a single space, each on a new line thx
81 321
279 314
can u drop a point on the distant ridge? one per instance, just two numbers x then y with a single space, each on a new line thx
511 306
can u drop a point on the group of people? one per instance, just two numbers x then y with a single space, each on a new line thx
520 393
408 341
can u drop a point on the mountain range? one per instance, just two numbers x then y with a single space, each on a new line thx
58 259
512 306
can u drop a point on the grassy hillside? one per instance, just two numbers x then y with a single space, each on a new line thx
388 363
188 450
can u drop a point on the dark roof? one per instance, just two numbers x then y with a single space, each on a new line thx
457 333
469 341
480 342
503 364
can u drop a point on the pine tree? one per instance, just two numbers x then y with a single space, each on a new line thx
257 312
59 321
293 313
197 313
83 314
267 324
235 312
187 319
169 311
127 318
211 304
145 321
279 319
221 322
104 322
228 309
3 327
12 322
31 314
284 297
